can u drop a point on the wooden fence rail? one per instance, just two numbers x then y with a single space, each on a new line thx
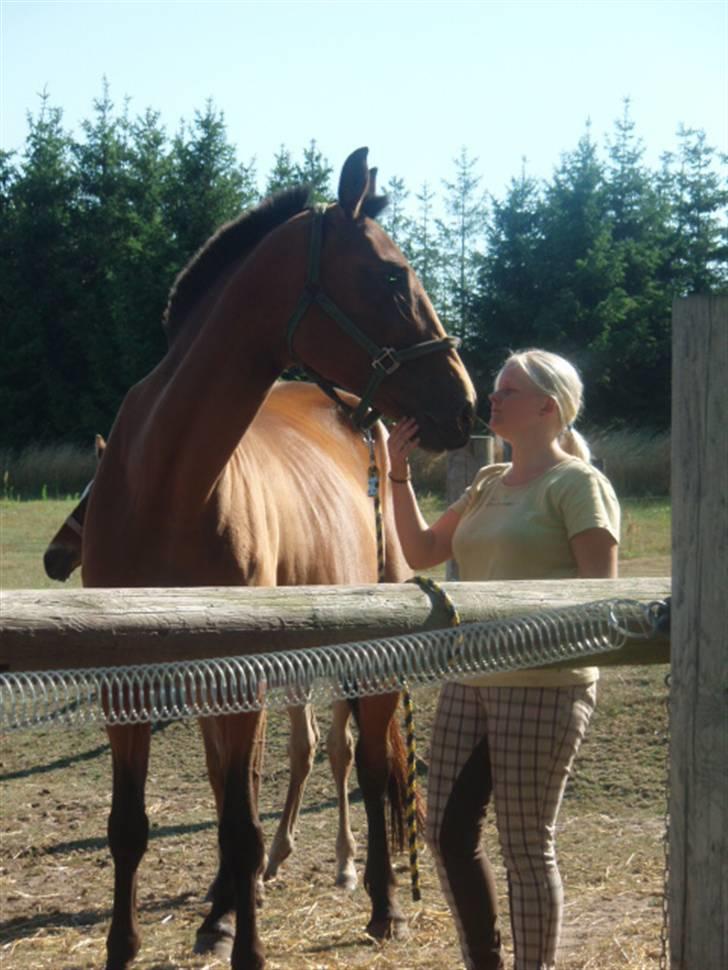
63 629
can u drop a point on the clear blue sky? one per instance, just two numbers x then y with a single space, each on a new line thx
414 81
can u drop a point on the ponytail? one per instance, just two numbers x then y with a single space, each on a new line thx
574 443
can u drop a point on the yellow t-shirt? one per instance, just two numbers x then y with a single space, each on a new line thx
523 532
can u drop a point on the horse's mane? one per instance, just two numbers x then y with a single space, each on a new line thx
229 243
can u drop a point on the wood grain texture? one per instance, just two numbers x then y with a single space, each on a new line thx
62 629
699 692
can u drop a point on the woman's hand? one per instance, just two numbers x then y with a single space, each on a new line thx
402 441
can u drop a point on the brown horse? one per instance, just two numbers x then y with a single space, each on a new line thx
201 486
63 556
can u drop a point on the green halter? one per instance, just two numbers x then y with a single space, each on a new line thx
385 360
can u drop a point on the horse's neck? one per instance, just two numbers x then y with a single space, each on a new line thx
216 378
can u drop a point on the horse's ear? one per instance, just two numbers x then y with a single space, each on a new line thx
99 445
373 204
354 182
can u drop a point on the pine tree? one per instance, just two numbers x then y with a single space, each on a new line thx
104 222
460 236
284 174
421 247
509 291
394 219
637 351
41 363
698 199
580 271
206 186
149 266
316 171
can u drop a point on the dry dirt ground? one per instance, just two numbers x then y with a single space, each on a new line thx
56 874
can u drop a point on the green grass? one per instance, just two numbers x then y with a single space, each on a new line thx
26 528
646 527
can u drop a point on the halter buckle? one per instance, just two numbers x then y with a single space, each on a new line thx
386 361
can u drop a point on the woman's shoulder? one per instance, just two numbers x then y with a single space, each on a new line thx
488 474
579 481
575 470
482 482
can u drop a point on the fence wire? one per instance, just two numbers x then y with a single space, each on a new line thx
205 688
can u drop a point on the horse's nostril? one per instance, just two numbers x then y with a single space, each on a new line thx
467 418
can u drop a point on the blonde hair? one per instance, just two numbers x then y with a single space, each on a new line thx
560 380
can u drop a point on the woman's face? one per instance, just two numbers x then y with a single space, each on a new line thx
516 404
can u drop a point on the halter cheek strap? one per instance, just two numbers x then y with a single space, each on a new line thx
384 360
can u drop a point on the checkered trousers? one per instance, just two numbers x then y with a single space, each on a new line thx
516 744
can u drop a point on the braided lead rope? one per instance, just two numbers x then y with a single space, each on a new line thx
432 589
407 701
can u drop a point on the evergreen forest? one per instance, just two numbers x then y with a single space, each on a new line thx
96 227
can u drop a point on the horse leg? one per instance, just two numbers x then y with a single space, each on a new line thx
215 776
374 768
241 845
128 831
340 747
302 743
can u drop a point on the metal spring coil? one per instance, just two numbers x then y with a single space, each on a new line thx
204 688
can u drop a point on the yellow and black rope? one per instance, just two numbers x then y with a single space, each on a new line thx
437 593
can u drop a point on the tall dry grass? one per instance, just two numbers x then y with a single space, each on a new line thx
636 462
46 471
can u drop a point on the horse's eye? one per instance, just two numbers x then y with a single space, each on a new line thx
395 277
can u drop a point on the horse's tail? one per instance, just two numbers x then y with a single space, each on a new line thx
398 788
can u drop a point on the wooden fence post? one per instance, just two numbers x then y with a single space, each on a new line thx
698 884
462 465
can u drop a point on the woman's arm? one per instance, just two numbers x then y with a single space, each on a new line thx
595 552
423 546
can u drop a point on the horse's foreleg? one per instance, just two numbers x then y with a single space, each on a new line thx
340 747
373 763
302 743
128 831
241 845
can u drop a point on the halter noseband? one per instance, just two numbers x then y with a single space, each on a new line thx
385 360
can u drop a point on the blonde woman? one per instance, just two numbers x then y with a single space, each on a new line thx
512 737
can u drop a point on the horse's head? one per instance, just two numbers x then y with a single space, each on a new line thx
369 324
63 554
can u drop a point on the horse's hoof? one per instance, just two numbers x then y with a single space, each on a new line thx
119 964
347 879
278 855
217 941
393 928
120 952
